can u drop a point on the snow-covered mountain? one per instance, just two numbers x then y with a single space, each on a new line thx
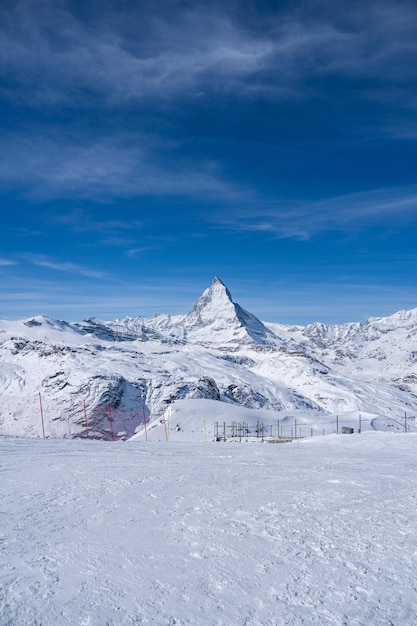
110 378
217 320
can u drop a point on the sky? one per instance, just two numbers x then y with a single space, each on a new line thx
147 147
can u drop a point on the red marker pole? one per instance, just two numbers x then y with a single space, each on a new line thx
111 423
43 423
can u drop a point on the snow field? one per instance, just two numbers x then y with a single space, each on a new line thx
319 532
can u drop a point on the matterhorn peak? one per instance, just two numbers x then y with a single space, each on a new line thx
218 289
215 312
214 304
217 281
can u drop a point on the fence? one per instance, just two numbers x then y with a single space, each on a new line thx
241 431
293 428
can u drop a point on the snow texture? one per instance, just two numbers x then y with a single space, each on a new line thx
319 533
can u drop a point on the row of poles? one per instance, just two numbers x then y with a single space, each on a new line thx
238 430
110 414
241 430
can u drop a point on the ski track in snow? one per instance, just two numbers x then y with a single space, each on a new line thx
319 532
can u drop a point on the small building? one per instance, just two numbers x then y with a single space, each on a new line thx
346 430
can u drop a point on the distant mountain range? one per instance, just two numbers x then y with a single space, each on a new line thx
81 377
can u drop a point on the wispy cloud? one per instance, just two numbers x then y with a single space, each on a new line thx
66 267
135 252
50 55
146 58
56 57
102 168
80 220
5 262
302 220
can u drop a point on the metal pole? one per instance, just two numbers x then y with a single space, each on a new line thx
43 423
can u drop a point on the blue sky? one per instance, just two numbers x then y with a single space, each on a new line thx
149 146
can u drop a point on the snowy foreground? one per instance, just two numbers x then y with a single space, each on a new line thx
321 531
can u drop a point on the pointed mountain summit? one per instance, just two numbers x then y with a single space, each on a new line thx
214 305
215 312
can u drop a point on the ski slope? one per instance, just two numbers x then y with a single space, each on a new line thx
318 532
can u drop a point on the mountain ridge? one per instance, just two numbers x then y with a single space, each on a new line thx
140 366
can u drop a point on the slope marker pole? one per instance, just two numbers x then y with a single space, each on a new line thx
43 423
165 427
111 422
